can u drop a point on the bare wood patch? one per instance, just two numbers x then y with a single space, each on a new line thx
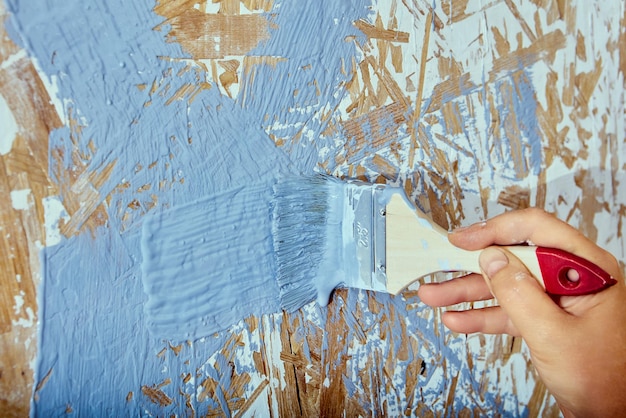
214 36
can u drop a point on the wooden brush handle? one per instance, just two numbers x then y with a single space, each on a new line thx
417 247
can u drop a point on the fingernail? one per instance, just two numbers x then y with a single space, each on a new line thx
459 229
465 228
492 260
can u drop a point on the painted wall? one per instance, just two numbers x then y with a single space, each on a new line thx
144 107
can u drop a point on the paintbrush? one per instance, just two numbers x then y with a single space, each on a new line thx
329 233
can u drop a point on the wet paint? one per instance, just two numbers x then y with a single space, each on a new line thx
115 160
208 264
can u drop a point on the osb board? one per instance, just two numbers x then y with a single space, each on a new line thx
473 108
24 186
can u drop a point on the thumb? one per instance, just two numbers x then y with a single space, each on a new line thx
519 294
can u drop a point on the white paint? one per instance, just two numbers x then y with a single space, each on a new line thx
25 322
19 302
20 199
27 343
9 129
261 405
54 211
211 8
51 85
13 59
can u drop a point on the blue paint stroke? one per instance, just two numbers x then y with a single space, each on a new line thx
373 339
525 109
482 158
208 264
519 110
94 338
295 99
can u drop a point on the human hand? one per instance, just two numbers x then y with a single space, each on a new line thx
577 343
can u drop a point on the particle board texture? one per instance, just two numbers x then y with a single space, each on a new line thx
112 110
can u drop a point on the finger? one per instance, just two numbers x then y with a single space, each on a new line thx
468 288
533 313
537 227
517 227
491 320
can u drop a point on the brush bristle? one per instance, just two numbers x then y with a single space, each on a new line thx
299 233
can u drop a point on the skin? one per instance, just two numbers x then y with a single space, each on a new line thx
577 343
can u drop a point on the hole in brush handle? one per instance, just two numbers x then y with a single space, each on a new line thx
566 274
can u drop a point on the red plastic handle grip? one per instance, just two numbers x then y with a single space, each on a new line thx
555 268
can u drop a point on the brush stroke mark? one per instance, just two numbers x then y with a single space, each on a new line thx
297 97
116 160
374 114
208 264
387 355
